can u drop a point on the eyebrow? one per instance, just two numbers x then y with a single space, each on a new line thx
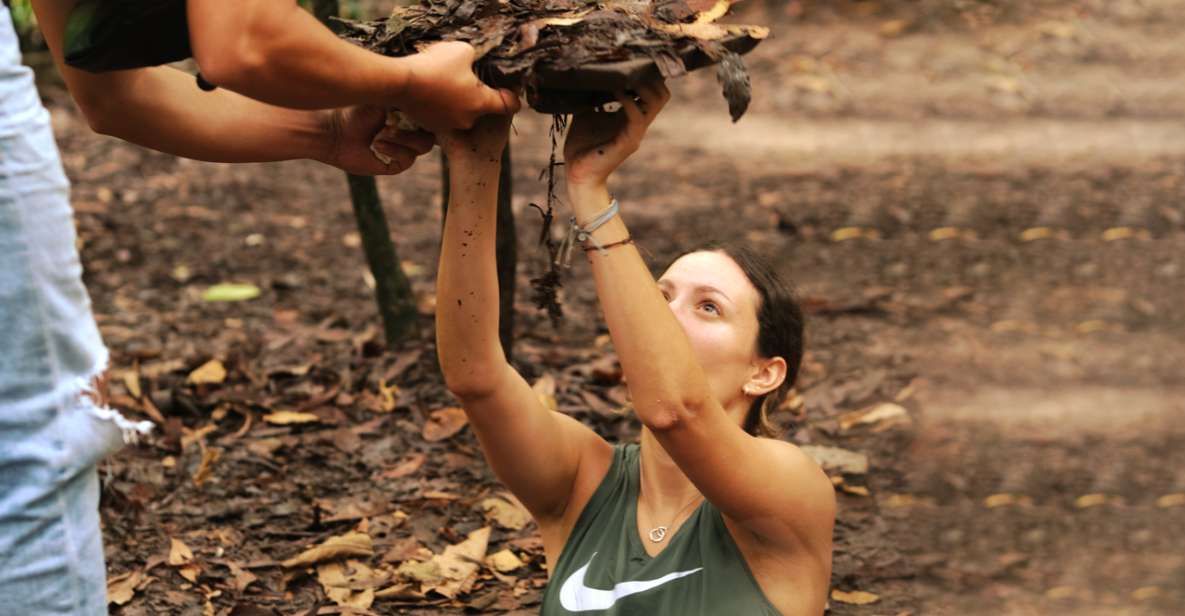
711 289
701 288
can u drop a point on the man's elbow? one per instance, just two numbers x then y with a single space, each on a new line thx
234 50
102 112
235 67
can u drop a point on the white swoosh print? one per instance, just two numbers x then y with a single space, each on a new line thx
576 597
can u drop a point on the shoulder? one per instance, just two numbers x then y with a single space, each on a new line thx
802 473
806 492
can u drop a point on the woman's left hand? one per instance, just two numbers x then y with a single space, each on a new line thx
598 142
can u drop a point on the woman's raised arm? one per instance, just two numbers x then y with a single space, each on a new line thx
669 387
537 453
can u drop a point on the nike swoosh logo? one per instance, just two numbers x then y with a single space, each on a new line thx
576 597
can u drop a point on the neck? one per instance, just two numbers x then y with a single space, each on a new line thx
664 486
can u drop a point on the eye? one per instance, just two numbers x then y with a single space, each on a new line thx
666 295
710 307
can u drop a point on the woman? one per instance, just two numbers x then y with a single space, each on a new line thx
703 517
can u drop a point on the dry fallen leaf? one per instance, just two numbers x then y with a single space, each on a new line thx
1171 500
506 514
424 572
1003 500
1122 233
458 565
855 597
1036 233
190 571
856 490
189 437
179 553
836 459
1087 501
209 373
1061 592
388 397
941 234
230 292
504 561
121 588
884 416
350 584
284 418
894 28
243 577
545 389
1145 593
209 457
902 501
444 423
349 544
406 466
131 380
842 234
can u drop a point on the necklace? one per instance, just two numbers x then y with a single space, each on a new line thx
658 533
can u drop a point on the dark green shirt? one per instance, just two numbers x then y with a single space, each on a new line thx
604 569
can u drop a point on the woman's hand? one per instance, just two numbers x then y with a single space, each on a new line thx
598 142
480 146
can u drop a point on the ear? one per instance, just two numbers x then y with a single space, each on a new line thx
767 376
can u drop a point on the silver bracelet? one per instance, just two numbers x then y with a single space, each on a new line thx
576 233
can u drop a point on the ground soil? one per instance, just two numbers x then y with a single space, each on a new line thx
1038 367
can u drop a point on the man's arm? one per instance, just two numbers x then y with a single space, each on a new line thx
275 51
163 109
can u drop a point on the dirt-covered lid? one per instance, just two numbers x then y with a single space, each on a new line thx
570 55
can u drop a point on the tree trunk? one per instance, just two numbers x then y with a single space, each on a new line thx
507 248
392 290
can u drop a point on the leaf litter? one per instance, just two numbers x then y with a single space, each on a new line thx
571 55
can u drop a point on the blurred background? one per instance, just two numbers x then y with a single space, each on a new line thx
981 204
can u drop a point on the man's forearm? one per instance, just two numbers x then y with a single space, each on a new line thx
161 108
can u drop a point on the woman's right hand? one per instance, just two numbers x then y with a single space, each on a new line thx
479 146
599 142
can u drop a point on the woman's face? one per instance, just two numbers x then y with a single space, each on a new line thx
717 307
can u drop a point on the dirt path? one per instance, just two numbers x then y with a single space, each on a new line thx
767 140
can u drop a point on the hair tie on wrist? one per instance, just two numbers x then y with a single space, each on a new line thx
576 233
606 247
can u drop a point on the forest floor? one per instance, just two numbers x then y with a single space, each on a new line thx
1027 353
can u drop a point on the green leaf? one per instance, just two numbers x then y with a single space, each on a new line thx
230 292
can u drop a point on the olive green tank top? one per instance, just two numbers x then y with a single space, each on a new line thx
604 569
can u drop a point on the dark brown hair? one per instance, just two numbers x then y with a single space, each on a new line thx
779 328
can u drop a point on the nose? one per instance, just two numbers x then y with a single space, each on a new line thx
681 310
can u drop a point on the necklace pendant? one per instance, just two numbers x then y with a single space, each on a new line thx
658 533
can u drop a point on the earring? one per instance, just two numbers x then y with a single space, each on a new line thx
748 390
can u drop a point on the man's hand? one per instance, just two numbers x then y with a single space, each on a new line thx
350 132
442 92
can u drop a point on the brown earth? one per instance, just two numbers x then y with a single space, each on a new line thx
1040 369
